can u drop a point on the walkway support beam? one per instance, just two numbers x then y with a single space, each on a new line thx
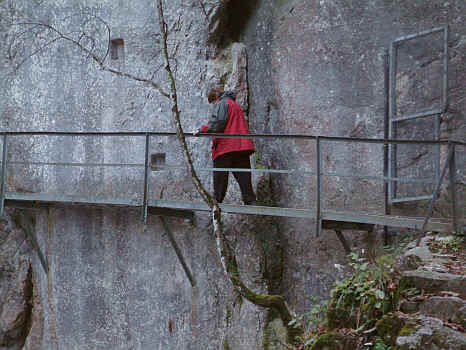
27 223
177 250
457 226
386 137
3 185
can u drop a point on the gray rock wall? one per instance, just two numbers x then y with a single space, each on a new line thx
16 287
114 282
317 68
312 67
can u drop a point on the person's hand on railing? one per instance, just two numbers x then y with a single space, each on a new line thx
196 132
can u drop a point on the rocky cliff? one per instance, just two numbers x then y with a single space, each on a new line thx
313 67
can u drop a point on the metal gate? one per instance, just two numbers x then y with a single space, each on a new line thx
397 116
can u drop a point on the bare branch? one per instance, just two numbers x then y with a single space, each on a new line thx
91 54
203 10
91 16
40 49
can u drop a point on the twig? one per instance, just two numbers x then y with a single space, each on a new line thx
203 10
92 55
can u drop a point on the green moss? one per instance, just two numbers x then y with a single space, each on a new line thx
229 314
338 317
329 341
408 329
389 327
258 161
275 334
224 79
226 345
452 244
441 339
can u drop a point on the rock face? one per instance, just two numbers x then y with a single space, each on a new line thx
325 64
312 67
16 287
446 308
419 332
430 333
435 320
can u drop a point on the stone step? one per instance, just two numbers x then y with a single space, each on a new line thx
435 282
448 308
452 309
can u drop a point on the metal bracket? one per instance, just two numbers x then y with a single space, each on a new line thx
339 226
176 248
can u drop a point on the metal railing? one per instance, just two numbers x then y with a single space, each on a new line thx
318 172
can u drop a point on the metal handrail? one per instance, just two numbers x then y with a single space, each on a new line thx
217 135
318 172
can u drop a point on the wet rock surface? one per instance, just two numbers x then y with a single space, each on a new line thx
312 67
434 319
16 286
452 309
434 272
429 334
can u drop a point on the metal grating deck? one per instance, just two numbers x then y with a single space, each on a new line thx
187 208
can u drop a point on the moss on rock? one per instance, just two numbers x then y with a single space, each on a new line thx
275 334
388 328
338 317
392 326
408 329
335 341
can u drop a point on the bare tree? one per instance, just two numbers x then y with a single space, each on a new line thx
226 253
88 45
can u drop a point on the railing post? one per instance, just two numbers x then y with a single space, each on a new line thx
391 124
446 54
3 185
146 182
319 188
452 170
445 59
437 148
386 137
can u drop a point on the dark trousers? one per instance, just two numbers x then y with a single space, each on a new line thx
238 159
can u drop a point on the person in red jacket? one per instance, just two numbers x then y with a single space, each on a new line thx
228 118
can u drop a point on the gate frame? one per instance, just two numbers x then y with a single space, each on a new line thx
392 118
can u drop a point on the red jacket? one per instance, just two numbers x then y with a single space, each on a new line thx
228 110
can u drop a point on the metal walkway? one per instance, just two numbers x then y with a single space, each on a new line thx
185 209
323 217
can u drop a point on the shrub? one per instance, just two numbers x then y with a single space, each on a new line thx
370 292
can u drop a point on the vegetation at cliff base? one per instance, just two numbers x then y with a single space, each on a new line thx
372 289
